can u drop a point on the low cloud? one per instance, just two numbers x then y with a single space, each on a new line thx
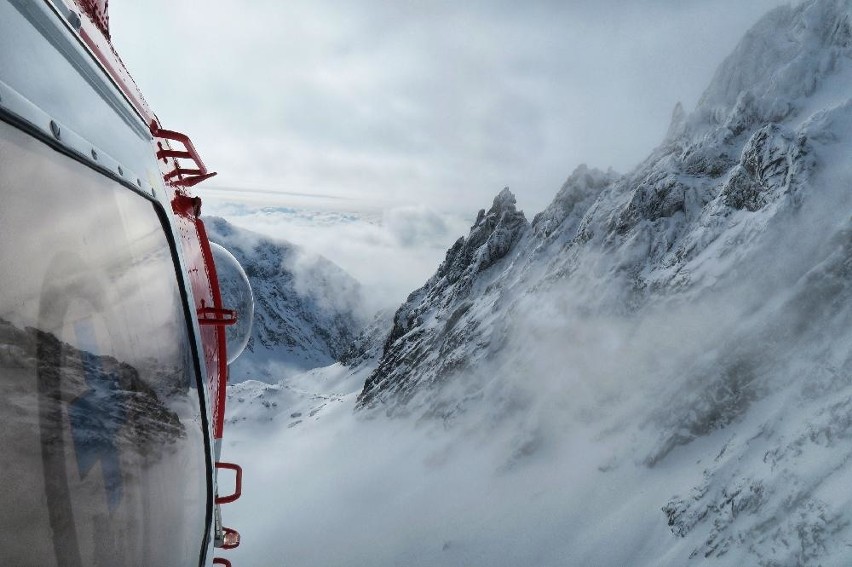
438 103
416 227
550 464
391 251
598 434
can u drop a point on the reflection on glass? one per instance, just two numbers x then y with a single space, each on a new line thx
236 294
104 452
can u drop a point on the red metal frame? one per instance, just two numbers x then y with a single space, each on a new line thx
201 272
218 381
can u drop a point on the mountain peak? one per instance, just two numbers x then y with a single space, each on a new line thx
784 58
431 327
504 201
685 215
490 238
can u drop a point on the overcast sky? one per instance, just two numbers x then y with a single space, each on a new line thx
435 102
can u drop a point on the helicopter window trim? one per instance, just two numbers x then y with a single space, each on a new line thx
26 116
204 398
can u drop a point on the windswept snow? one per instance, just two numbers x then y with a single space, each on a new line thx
655 371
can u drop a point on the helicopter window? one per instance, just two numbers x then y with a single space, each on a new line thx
105 458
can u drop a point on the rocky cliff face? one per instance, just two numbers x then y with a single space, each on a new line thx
694 212
695 312
306 308
431 335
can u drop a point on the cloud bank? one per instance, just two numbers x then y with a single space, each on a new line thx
442 103
390 250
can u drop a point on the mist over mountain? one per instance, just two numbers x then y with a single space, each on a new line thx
654 371
702 215
307 309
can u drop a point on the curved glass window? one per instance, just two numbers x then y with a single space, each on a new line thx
104 453
236 294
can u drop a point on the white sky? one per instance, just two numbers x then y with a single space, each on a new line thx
436 103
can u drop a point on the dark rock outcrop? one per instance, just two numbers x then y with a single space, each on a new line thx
432 330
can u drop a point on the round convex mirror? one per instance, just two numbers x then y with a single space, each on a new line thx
236 294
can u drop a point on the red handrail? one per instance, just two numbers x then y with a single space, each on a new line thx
213 316
180 176
238 483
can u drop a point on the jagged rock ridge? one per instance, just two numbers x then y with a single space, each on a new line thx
732 243
430 332
724 172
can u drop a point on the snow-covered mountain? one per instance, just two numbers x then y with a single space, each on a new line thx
307 309
655 371
703 207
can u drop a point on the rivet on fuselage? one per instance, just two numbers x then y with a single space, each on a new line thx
74 19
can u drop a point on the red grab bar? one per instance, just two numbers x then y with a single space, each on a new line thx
180 176
213 316
238 483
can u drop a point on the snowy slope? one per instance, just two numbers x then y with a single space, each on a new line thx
705 212
307 309
655 371
696 210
